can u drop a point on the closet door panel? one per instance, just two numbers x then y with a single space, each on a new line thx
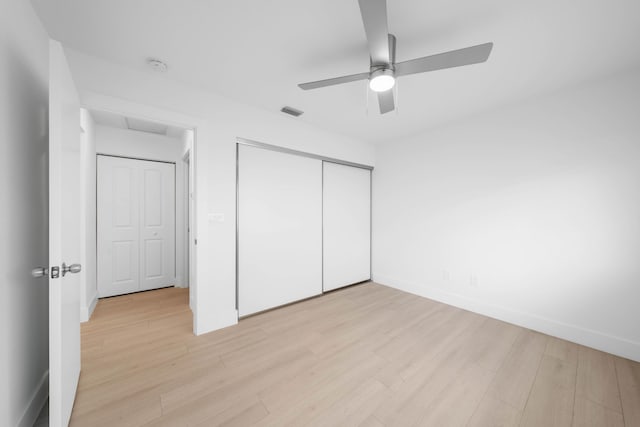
346 225
118 226
158 225
279 228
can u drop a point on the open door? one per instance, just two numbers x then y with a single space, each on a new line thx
64 238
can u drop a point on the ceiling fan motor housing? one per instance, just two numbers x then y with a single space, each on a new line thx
392 56
382 76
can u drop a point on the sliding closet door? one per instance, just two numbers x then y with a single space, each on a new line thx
347 225
279 228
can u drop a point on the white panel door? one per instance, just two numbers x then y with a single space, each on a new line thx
118 226
279 228
346 225
136 225
157 225
64 237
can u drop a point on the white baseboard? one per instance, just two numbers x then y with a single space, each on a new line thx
579 335
214 321
36 403
86 312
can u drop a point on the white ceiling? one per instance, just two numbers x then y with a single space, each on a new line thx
257 51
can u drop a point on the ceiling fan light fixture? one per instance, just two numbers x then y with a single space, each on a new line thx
382 80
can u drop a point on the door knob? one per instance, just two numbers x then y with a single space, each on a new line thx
73 268
40 272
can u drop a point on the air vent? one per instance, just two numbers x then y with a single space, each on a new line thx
291 111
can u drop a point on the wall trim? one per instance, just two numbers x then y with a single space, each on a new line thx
579 335
217 320
180 283
36 403
86 312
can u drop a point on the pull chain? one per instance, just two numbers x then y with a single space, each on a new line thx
367 106
397 91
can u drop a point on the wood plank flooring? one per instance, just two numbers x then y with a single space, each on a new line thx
367 355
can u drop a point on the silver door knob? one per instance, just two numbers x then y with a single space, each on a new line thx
73 268
40 272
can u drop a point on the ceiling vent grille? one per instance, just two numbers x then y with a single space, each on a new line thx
291 111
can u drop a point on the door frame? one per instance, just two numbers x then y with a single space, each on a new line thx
188 210
97 102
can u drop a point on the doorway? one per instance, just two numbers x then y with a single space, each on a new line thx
138 210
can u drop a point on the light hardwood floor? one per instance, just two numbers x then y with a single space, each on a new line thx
366 355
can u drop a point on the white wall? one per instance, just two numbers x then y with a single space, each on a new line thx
149 146
530 214
88 286
24 309
219 122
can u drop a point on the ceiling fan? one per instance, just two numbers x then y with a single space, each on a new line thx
384 70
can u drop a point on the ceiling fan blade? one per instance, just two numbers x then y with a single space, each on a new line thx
334 81
374 17
386 102
454 58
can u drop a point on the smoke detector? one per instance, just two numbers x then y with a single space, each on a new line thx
157 65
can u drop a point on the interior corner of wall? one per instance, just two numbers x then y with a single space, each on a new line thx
570 332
